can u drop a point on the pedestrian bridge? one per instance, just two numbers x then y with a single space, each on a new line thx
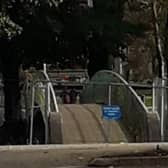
83 123
76 124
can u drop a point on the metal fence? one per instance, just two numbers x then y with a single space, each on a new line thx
107 87
42 96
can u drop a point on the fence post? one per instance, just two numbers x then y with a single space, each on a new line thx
47 106
32 115
107 123
162 110
109 94
48 99
153 97
45 68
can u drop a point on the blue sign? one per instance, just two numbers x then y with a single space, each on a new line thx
111 112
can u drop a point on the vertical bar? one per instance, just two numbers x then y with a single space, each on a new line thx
31 116
109 94
153 97
90 3
27 101
48 100
121 67
107 125
45 68
162 110
46 114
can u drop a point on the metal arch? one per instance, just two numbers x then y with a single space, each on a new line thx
128 86
135 114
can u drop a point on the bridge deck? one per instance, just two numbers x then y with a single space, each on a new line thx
84 124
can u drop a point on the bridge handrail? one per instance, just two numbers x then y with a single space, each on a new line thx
52 91
134 112
131 89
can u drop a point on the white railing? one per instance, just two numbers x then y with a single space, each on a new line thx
50 88
47 87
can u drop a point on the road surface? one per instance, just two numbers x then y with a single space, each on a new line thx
84 156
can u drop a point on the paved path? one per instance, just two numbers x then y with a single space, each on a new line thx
80 156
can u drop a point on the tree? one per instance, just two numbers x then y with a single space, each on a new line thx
25 32
94 32
159 21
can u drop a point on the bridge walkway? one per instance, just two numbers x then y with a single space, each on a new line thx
83 123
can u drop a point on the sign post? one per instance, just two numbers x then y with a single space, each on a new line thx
110 112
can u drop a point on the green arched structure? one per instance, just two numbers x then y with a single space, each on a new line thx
139 124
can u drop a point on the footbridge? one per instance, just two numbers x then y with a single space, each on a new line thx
83 123
76 136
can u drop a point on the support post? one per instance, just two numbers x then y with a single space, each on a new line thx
46 111
109 94
162 110
153 97
32 115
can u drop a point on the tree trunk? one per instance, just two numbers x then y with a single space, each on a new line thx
161 60
11 90
13 129
10 72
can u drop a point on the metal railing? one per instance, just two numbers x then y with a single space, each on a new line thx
107 87
43 94
50 88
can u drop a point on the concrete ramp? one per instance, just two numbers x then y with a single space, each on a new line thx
83 124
